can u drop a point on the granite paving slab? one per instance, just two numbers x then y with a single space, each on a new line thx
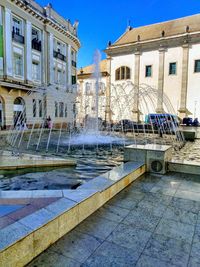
173 251
153 208
146 261
141 218
185 204
54 259
134 195
188 195
97 226
176 230
77 246
124 202
112 213
110 254
190 186
164 190
37 219
158 198
12 233
180 215
130 237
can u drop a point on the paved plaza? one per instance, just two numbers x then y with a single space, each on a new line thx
155 222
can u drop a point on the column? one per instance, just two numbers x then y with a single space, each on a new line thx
8 43
50 59
81 99
69 66
28 51
184 82
159 108
108 115
44 56
136 112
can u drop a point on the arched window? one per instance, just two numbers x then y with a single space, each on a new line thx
123 73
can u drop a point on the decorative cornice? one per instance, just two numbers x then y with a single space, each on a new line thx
154 44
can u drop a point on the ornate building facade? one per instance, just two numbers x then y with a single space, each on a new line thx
165 56
38 50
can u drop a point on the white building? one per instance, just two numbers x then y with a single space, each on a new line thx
86 100
165 56
38 49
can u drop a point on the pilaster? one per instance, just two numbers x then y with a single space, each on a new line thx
8 43
28 51
50 61
136 112
69 66
184 82
159 108
108 115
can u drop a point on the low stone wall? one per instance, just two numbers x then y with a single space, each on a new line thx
27 238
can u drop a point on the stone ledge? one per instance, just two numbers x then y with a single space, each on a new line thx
27 238
184 166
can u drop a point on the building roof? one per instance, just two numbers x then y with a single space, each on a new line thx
154 31
90 69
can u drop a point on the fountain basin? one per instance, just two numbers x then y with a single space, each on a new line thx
9 161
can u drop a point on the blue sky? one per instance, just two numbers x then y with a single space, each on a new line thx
106 20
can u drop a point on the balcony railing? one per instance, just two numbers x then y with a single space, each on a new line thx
74 63
37 45
58 55
18 38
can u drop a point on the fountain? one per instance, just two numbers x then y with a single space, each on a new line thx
84 134
86 126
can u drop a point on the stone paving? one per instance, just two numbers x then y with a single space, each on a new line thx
12 210
190 152
155 222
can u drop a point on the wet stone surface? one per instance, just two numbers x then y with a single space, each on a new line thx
139 227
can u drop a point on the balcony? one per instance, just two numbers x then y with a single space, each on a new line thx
58 55
74 63
37 45
18 38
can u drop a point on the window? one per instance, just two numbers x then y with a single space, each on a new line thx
18 65
61 109
148 71
17 26
34 108
172 68
73 57
73 79
59 47
56 109
36 40
40 108
122 73
36 71
197 65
